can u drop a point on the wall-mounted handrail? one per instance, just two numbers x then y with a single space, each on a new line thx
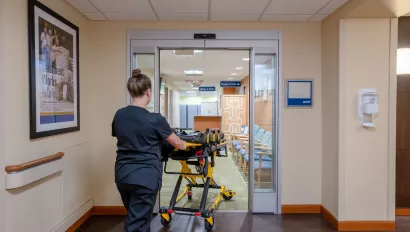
33 163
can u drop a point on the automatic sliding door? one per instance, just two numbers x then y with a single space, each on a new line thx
265 145
262 150
145 55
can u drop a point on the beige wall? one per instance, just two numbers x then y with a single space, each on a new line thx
330 113
301 59
2 118
363 153
334 165
40 206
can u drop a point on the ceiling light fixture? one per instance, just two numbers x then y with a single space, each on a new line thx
230 78
234 74
193 72
239 68
245 59
195 83
198 51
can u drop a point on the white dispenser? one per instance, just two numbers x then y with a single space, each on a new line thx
368 106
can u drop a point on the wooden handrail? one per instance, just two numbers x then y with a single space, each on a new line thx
30 164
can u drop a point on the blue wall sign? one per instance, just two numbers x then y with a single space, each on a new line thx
230 84
299 93
207 88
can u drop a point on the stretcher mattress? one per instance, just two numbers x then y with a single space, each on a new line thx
196 137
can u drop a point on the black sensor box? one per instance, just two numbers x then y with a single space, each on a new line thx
204 36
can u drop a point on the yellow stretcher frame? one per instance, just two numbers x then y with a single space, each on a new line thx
206 177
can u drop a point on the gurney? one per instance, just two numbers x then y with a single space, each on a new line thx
200 153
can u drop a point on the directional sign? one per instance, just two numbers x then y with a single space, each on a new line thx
230 84
207 88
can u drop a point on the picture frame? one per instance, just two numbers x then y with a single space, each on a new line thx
54 80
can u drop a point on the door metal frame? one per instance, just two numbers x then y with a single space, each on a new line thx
240 36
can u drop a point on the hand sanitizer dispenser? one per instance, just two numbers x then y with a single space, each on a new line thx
368 106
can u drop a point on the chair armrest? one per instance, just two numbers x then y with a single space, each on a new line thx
264 153
241 135
256 143
263 148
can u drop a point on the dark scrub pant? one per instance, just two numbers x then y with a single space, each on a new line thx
139 202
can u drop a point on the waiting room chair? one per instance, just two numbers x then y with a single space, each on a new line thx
240 149
266 143
239 138
234 137
262 160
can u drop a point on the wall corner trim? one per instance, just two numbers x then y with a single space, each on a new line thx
329 217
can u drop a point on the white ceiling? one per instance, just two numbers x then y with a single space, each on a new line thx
217 65
207 10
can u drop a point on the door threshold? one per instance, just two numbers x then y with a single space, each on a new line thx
232 211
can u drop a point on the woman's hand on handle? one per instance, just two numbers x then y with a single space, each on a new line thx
175 141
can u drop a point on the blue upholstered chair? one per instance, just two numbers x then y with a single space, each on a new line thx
239 138
262 159
241 148
245 131
265 143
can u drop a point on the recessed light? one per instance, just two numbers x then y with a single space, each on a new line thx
234 74
193 72
230 78
245 59
198 51
239 68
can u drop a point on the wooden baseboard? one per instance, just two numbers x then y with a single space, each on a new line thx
286 209
366 226
402 211
300 209
328 216
109 210
357 225
80 221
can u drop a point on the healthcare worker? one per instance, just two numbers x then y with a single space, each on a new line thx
138 167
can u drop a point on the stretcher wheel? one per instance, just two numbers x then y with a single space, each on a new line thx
226 198
208 226
165 222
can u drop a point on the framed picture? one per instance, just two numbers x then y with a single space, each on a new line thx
54 72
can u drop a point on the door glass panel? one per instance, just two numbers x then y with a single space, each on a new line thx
146 62
264 118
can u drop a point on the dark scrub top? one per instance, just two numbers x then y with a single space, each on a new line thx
139 134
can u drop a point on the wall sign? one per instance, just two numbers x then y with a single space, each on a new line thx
299 93
230 84
207 88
